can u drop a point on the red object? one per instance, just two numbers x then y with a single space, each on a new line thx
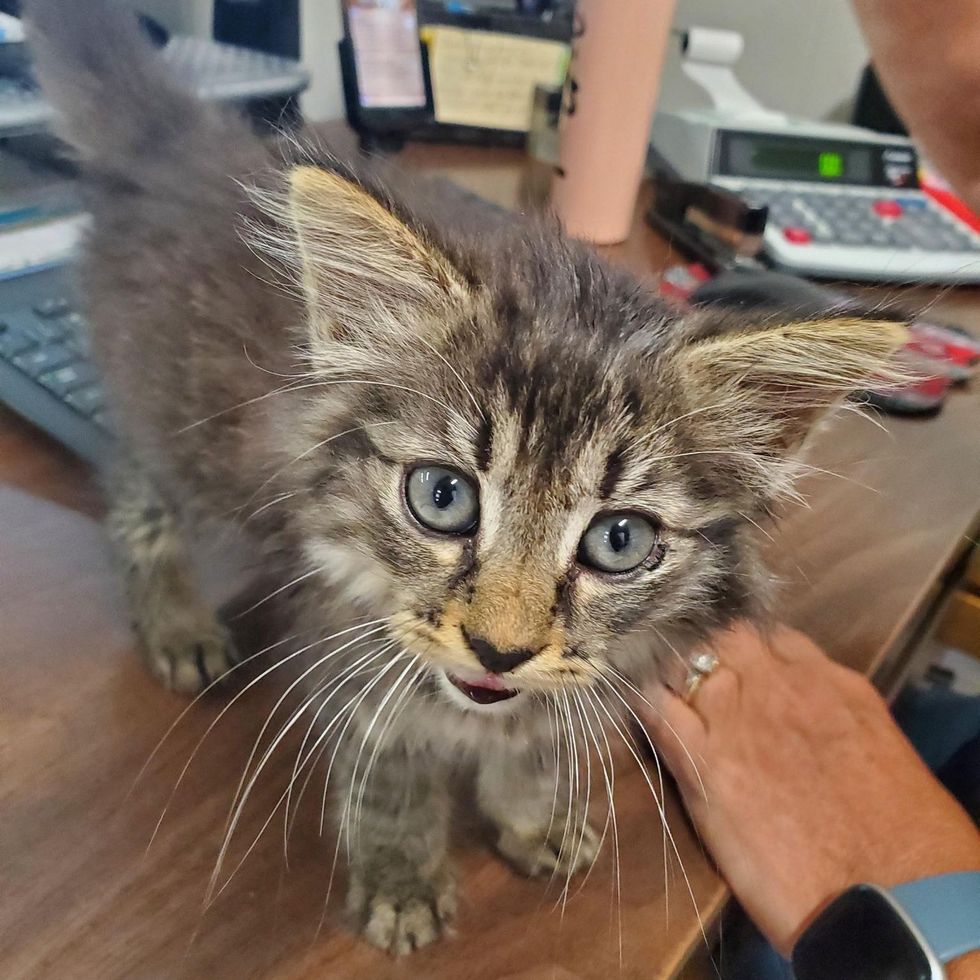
953 204
888 209
798 236
958 353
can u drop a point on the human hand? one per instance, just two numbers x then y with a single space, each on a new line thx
800 783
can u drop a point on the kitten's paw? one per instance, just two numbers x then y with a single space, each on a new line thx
189 654
555 852
399 910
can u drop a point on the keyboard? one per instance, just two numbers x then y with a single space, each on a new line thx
45 374
862 232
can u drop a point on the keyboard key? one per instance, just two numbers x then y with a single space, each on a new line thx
67 378
887 208
797 236
54 306
87 400
50 331
14 343
43 359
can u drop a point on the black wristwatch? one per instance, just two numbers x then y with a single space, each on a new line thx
906 933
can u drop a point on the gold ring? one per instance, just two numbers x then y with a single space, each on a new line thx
702 665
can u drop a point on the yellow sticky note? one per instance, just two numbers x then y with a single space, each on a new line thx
481 78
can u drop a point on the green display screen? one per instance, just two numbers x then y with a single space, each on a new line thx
795 158
830 165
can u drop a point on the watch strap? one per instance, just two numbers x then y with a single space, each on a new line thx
946 910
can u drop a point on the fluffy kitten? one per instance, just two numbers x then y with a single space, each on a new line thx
506 470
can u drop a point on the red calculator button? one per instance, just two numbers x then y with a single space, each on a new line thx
797 236
887 209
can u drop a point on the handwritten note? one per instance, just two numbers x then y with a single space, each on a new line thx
481 78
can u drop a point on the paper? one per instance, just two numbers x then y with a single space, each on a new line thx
481 78
388 56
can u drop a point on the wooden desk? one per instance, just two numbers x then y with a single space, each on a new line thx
80 895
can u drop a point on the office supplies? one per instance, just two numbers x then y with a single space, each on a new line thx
715 225
843 202
617 54
487 79
480 63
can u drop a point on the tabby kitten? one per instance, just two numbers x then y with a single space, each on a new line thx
507 474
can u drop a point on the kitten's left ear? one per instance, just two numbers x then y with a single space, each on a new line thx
365 272
763 388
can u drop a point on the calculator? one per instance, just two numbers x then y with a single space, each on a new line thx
860 232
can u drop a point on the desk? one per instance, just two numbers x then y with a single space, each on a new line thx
864 566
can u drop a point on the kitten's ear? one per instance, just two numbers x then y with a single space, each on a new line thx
364 271
765 388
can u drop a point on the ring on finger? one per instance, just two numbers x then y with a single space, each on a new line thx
701 665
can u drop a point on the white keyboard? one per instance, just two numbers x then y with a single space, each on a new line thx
220 72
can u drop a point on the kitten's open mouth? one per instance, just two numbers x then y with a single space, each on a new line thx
487 690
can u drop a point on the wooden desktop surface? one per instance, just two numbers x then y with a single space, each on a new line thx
81 894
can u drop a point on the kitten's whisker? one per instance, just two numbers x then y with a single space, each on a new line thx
611 791
660 809
244 404
459 378
183 714
213 892
333 686
639 694
570 764
279 591
231 704
576 701
367 630
326 783
307 452
396 710
378 712
277 499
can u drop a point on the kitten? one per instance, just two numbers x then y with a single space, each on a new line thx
508 474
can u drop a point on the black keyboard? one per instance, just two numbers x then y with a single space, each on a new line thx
45 374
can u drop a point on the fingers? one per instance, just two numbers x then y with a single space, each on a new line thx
677 731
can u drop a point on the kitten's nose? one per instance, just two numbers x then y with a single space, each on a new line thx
496 661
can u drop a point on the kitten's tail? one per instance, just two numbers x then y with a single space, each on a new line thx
116 102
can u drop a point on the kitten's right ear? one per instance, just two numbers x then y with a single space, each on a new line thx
366 274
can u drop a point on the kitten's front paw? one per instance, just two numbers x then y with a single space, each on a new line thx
554 852
398 908
188 653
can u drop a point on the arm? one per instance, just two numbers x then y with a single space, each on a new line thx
809 786
926 58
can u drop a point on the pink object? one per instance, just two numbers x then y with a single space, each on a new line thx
610 94
888 209
798 236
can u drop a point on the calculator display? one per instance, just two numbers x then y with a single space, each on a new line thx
772 156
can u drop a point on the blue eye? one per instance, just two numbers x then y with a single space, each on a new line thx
617 542
442 499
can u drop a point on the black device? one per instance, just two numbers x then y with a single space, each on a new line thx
45 374
904 933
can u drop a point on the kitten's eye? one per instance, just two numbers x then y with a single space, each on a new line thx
442 499
617 542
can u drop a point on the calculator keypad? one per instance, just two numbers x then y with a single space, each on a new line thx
861 218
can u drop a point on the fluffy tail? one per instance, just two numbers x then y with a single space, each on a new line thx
116 102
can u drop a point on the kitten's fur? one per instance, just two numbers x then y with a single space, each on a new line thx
514 355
